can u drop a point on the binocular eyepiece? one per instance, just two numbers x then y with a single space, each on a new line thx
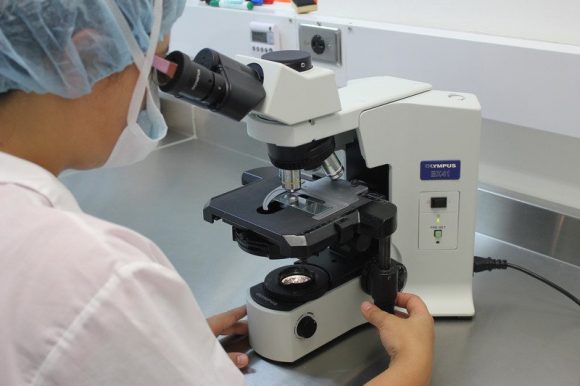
214 81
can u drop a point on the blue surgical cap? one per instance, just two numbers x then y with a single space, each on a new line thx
64 47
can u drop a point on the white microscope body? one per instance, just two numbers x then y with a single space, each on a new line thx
429 140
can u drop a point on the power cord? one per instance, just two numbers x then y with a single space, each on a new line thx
489 264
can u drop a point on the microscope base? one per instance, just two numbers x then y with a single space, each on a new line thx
286 336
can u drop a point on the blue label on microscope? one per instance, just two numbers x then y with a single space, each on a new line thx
440 170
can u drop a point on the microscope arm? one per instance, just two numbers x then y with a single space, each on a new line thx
358 96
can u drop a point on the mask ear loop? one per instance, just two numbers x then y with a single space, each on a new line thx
143 62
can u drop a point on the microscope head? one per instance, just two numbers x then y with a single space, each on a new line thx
281 88
295 90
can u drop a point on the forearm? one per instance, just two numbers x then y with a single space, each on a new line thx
412 371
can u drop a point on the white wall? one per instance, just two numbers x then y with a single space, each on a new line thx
545 20
521 82
529 90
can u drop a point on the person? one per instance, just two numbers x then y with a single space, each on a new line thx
83 301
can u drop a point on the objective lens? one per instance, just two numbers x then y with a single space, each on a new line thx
332 167
295 279
291 180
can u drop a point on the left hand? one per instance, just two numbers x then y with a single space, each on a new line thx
229 323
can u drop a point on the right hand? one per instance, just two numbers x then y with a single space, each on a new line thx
231 323
408 337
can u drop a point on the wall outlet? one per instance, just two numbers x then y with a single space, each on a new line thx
323 43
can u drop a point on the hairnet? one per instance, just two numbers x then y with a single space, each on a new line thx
64 47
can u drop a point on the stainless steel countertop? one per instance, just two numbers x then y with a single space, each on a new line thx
524 333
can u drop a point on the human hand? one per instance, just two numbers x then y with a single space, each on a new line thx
407 337
230 323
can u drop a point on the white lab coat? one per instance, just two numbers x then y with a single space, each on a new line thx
85 302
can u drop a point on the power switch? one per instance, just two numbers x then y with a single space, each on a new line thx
438 220
438 202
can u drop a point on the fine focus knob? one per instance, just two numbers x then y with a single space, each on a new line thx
306 327
296 60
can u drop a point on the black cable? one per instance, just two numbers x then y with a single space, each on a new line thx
489 264
545 281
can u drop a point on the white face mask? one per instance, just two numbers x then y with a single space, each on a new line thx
145 129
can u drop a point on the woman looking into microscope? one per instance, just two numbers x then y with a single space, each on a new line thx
83 301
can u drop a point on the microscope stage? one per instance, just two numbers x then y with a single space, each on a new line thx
300 228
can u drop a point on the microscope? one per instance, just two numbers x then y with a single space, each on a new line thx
372 189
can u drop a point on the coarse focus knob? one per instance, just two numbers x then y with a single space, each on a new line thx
306 327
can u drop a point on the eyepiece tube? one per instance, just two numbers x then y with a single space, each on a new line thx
193 82
215 82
